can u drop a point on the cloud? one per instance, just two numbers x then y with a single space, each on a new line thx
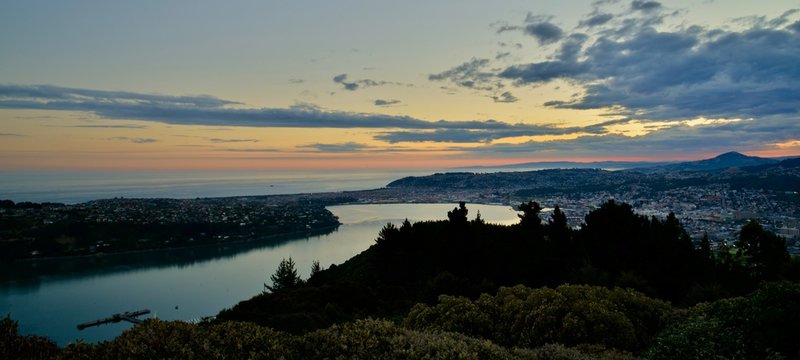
340 148
200 111
11 135
363 83
505 97
596 19
643 5
296 81
502 55
336 148
546 71
255 150
470 74
301 115
469 69
544 32
382 102
110 126
223 141
795 27
503 27
608 2
505 44
686 73
341 79
443 136
483 135
680 140
636 69
133 140
765 22
194 146
565 64
73 95
38 117
537 26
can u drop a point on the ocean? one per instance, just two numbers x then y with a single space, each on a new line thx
76 187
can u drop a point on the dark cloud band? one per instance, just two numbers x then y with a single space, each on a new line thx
210 111
632 69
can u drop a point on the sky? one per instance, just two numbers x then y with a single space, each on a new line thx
276 85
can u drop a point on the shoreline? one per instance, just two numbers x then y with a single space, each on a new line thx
261 238
290 235
374 196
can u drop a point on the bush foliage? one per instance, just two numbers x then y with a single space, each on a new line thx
764 324
16 346
362 339
569 322
570 314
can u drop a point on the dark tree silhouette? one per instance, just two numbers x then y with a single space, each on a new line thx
651 255
406 226
529 219
387 234
705 248
560 235
416 262
285 277
478 219
458 216
764 252
612 236
557 226
315 268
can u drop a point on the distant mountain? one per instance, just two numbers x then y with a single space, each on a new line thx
774 175
725 161
541 165
790 163
785 163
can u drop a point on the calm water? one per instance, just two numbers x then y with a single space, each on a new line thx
51 298
75 187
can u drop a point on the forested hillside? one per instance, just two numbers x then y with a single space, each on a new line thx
414 263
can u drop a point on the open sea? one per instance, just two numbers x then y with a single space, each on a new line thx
77 187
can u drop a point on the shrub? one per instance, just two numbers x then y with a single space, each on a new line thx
16 346
380 339
156 339
764 324
530 318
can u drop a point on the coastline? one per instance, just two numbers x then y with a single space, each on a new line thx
288 236
377 196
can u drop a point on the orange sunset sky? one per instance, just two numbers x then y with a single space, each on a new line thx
97 85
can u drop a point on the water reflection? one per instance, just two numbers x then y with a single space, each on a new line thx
22 277
51 297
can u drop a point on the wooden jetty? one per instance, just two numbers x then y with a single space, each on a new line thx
129 316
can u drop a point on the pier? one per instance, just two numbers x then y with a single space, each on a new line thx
130 316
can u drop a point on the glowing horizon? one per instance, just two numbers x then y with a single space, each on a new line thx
95 86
